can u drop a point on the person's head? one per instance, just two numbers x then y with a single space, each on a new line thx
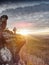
4 21
4 18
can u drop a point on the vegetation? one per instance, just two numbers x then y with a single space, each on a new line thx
35 51
28 50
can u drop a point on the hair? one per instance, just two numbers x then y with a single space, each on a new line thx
4 16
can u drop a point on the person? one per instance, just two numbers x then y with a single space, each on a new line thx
4 51
4 19
3 23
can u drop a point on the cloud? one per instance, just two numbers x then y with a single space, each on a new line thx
23 24
26 14
10 5
3 7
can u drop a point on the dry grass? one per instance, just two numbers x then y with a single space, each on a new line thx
35 51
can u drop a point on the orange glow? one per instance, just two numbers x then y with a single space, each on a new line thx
33 32
23 32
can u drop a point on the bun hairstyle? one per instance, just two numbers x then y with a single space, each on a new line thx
4 16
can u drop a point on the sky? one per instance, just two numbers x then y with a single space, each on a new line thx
1 1
30 15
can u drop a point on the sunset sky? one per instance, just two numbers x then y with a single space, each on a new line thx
26 14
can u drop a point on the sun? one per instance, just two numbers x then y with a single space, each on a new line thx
23 32
33 32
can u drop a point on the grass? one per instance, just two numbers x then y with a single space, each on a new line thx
36 46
